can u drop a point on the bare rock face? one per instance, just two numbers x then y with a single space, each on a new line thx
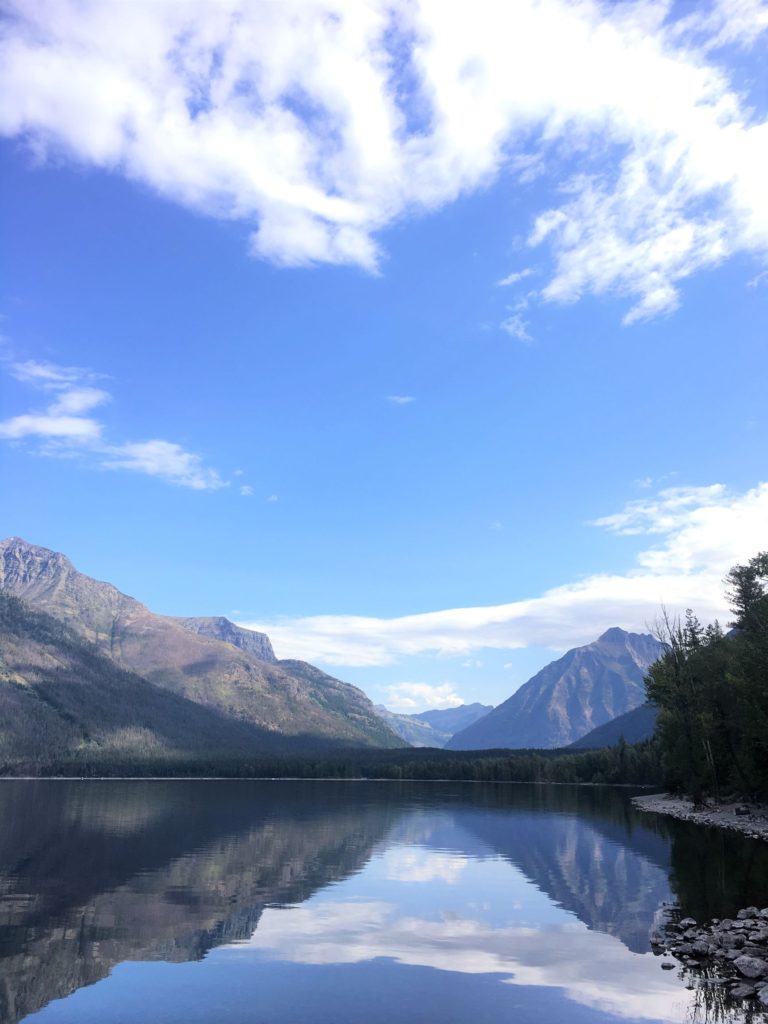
219 628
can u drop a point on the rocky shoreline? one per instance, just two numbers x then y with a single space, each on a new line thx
749 819
731 953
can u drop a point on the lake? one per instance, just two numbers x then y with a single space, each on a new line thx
193 902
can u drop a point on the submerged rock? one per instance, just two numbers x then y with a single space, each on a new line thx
742 991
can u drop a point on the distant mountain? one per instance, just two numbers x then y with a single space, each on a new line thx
411 730
585 688
636 725
453 720
293 704
432 728
219 628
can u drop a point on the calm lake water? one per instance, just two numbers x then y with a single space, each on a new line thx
194 902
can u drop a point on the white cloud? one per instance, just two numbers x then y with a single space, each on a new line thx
63 430
246 491
594 969
400 399
163 459
415 864
272 498
407 698
513 278
321 122
516 327
702 532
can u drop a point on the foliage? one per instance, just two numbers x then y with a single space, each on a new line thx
711 690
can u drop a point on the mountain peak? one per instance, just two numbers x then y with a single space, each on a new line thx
613 635
220 628
585 688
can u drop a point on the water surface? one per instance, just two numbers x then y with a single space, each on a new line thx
189 902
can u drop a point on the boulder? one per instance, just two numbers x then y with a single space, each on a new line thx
742 991
751 966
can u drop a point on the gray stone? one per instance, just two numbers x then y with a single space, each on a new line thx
687 922
701 947
751 966
742 991
667 966
762 996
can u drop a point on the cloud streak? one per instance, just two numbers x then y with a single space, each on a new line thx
406 698
318 124
63 428
701 531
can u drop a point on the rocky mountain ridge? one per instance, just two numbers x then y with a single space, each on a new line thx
583 689
289 700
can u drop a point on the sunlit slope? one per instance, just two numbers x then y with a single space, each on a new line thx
289 699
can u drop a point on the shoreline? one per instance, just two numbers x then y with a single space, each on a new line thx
752 823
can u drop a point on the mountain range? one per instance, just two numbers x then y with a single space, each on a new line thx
433 728
568 698
89 672
218 669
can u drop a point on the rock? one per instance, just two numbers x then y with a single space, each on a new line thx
747 912
741 809
701 947
667 966
762 996
687 922
757 951
742 991
751 966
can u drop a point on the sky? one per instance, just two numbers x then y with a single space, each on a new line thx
428 338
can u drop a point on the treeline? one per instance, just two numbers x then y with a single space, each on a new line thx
711 689
623 764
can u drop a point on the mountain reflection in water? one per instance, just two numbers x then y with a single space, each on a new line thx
334 901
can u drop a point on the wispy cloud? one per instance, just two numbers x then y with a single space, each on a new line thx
400 399
62 428
516 327
702 532
514 278
409 698
407 107
246 491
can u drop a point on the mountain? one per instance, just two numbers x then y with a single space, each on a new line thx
62 700
586 687
219 628
410 729
453 720
432 728
636 725
293 704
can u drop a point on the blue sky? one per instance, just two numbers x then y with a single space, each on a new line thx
257 360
